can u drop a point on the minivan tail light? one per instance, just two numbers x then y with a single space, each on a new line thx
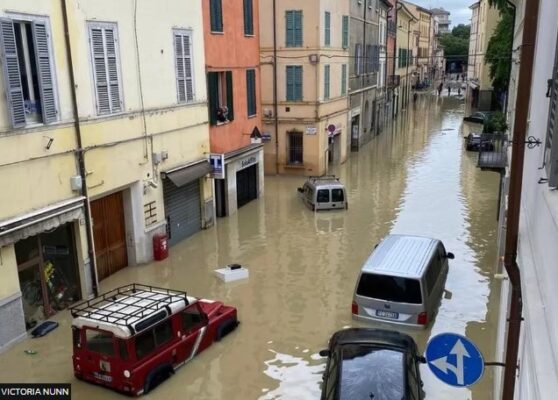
422 318
354 308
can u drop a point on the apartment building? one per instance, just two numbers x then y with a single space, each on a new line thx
304 78
424 41
104 142
232 57
404 62
443 19
392 80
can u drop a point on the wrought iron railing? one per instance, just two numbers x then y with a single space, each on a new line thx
493 152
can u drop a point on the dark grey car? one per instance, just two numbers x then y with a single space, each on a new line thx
365 364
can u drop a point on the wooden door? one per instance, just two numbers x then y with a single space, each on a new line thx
109 232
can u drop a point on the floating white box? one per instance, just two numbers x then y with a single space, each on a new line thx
228 275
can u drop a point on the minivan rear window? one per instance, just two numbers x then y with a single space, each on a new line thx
337 195
389 288
323 196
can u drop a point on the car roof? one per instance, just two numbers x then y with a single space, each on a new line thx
401 255
328 180
372 336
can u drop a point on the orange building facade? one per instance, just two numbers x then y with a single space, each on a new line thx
232 56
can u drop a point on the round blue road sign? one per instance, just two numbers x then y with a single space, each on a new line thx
454 359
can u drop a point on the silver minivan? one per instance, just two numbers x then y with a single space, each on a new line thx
323 193
402 281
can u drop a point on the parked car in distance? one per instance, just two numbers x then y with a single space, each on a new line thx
478 117
323 193
364 363
402 281
134 337
475 142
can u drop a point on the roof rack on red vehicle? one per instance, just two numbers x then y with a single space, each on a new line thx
130 304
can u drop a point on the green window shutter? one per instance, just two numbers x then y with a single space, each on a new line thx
251 91
230 97
345 31
326 81
213 96
216 15
343 79
289 72
248 17
289 29
298 28
327 24
13 86
298 83
46 86
294 83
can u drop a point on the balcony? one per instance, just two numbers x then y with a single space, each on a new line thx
493 152
393 81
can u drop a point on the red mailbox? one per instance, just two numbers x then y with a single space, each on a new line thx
160 246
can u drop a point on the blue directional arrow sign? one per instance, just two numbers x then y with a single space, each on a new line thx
454 359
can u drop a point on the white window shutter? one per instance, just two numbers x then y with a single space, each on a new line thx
179 66
112 63
14 89
46 86
105 69
183 66
100 70
188 68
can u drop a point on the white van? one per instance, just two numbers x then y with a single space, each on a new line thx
323 193
402 281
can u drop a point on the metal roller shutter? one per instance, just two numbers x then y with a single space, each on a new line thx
182 210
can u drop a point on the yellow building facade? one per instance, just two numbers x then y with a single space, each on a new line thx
141 137
404 55
307 130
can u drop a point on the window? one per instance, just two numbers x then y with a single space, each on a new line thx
358 56
29 81
368 65
323 196
337 195
294 82
295 147
99 342
326 81
343 79
148 341
183 66
551 143
248 17
123 350
293 25
332 374
216 15
390 288
104 52
382 33
192 318
251 91
327 25
345 32
220 93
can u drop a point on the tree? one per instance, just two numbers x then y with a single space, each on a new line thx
498 52
456 48
462 31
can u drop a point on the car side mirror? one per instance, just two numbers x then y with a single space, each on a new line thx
421 359
450 255
324 353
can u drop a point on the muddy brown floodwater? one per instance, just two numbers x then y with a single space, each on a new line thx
416 177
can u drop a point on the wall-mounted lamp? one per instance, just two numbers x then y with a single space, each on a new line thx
50 140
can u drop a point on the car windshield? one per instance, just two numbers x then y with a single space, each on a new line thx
390 288
369 372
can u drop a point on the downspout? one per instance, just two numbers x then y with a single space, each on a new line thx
275 107
514 8
514 194
80 154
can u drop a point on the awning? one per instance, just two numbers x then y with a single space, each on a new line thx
183 175
48 218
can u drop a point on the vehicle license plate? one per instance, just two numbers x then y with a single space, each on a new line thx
103 377
387 314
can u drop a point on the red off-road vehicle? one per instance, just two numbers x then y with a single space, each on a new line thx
134 337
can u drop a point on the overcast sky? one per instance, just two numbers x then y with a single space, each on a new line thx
459 9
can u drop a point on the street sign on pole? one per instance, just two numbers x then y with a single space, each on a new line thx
454 359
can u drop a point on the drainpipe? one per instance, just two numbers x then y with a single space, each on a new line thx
514 194
80 155
514 10
275 107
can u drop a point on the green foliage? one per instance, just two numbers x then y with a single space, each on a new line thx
455 47
499 4
462 31
498 52
496 123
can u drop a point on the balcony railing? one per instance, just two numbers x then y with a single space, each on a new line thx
393 80
493 152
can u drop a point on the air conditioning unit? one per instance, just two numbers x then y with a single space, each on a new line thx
313 58
268 113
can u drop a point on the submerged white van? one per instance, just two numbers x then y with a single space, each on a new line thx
402 281
323 193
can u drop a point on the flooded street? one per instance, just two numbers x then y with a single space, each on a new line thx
415 178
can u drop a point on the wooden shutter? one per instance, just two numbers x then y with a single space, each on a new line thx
289 29
12 77
112 63
345 32
105 68
298 28
290 83
551 144
327 33
44 72
183 65
343 79
298 83
326 82
216 15
230 97
213 96
251 91
248 17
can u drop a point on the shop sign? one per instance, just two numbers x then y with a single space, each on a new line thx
266 137
311 130
217 162
248 161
